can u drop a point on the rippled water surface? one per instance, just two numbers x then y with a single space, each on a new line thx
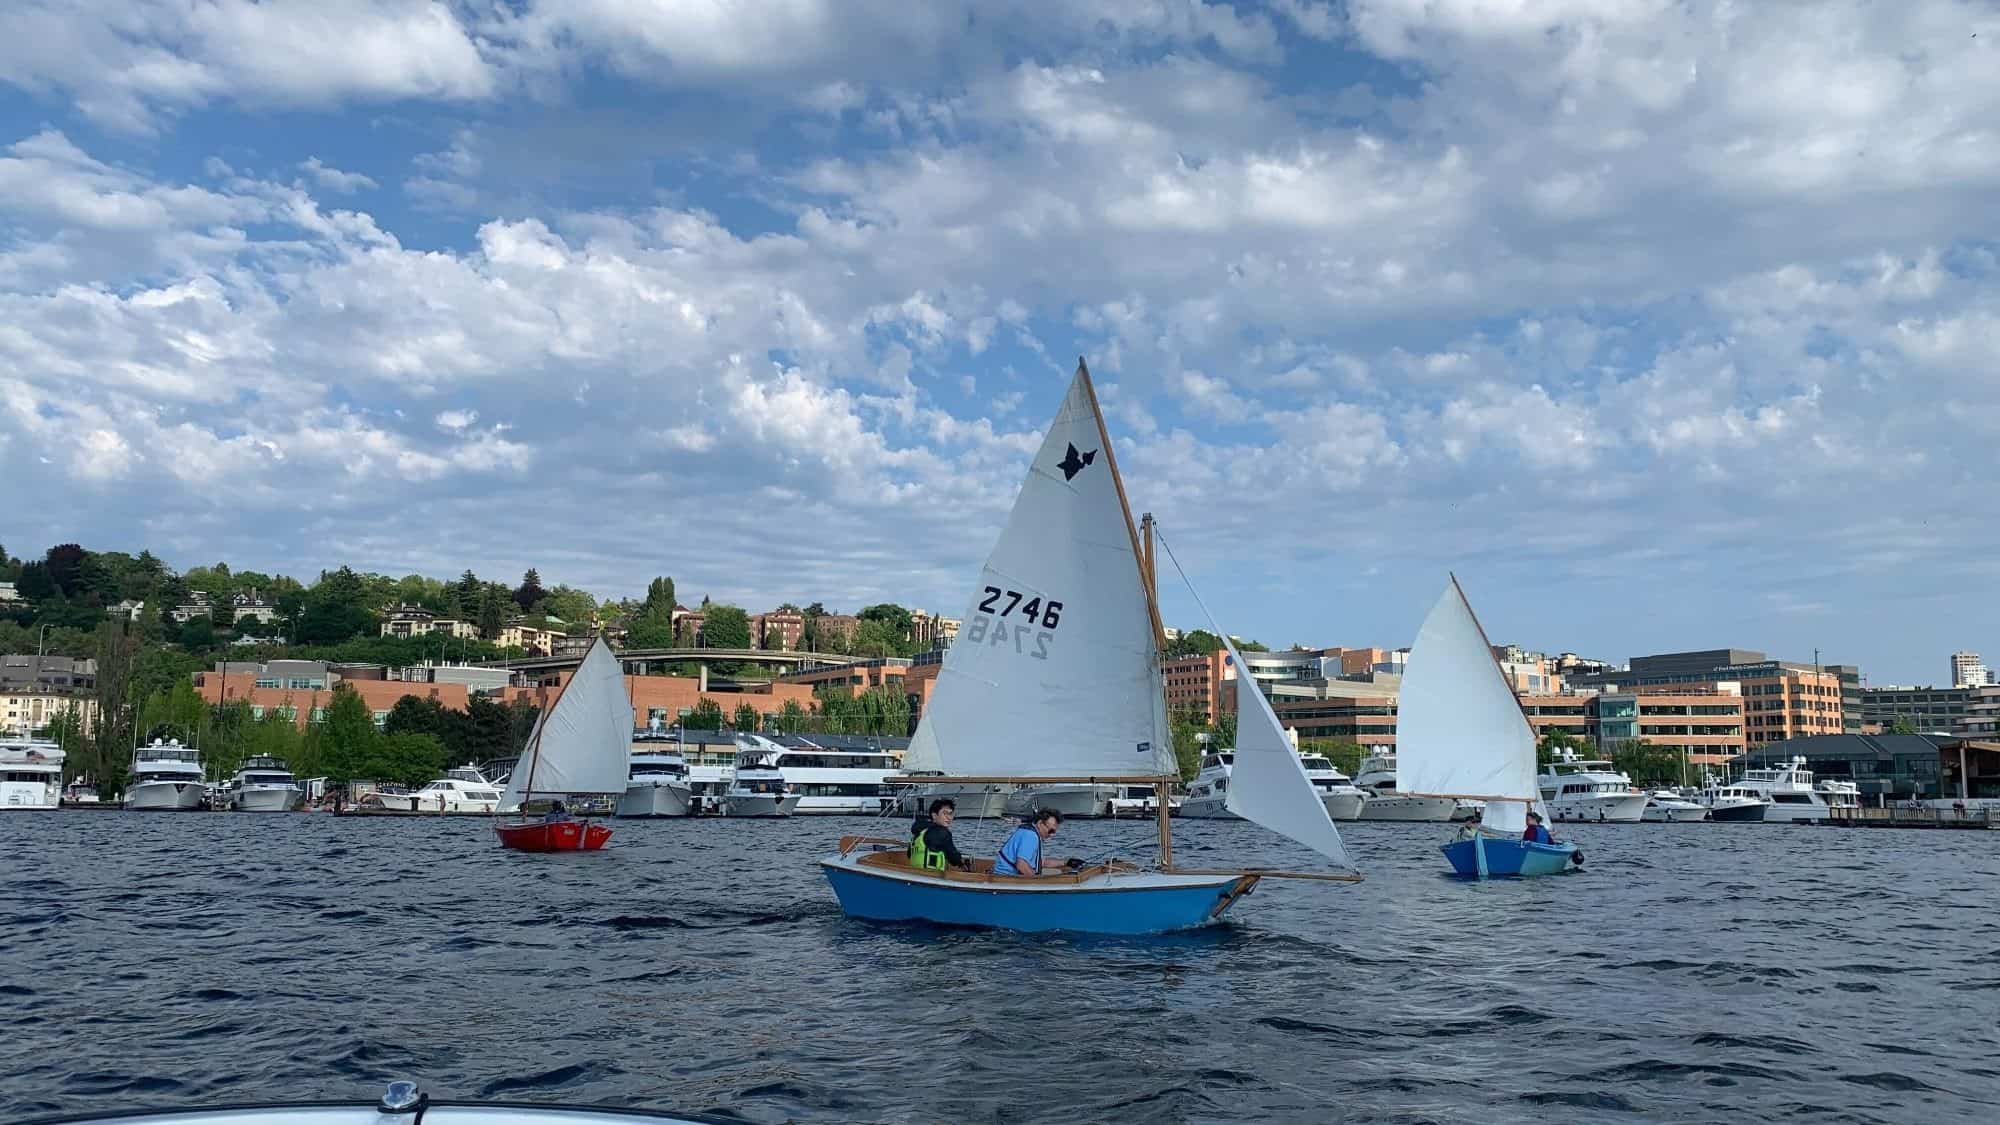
1690 973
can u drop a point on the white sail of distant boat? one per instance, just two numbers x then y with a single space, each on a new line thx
1056 670
583 743
1460 731
1268 783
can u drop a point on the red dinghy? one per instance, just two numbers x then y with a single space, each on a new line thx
562 836
581 744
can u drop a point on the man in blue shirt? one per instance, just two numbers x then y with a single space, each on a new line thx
1022 853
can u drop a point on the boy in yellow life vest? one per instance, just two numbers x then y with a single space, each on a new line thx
931 845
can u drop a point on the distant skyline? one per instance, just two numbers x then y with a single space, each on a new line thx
1664 326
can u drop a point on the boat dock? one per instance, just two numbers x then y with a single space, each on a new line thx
1921 817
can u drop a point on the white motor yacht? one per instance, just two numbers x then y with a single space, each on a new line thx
1789 789
81 792
1343 799
265 785
1079 800
1838 794
462 791
1668 807
1377 781
828 779
759 789
1208 796
1576 788
969 799
1143 801
31 774
1732 803
657 786
166 777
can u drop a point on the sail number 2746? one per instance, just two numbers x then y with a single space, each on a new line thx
1009 615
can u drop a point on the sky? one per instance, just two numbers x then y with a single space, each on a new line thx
1664 325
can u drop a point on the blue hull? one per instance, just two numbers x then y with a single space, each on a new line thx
1512 858
1134 904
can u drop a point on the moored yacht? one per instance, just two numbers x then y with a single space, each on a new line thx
1343 799
657 786
1576 788
1668 807
31 774
265 785
1075 799
1789 789
1377 781
830 779
1143 801
81 793
1208 796
969 799
166 777
462 791
1732 803
759 789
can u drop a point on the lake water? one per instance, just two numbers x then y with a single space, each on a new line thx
1688 973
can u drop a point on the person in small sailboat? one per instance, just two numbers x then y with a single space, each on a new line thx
1536 832
931 845
556 814
1022 853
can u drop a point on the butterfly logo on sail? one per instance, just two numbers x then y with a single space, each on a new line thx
1074 462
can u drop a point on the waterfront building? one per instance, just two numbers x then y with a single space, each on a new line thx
1367 719
1704 725
1967 670
32 708
1894 767
57 674
1194 685
1782 699
1964 711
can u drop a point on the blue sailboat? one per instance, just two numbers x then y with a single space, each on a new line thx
1460 733
1054 678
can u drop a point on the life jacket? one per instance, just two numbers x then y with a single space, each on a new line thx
923 857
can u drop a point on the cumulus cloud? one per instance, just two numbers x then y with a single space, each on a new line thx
1587 290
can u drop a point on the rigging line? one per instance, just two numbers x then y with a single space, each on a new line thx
1186 581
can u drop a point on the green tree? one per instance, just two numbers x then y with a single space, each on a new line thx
792 716
572 605
1646 764
409 758
65 567
650 630
276 735
177 712
890 615
66 731
35 583
465 595
660 596
111 737
347 736
707 715
1194 642
1345 755
529 593
1902 725
1551 745
726 626
746 717
336 609
492 618
228 739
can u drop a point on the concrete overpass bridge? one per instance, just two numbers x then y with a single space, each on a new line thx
644 661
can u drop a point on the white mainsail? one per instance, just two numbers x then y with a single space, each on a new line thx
1055 672
1268 783
582 744
1459 730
